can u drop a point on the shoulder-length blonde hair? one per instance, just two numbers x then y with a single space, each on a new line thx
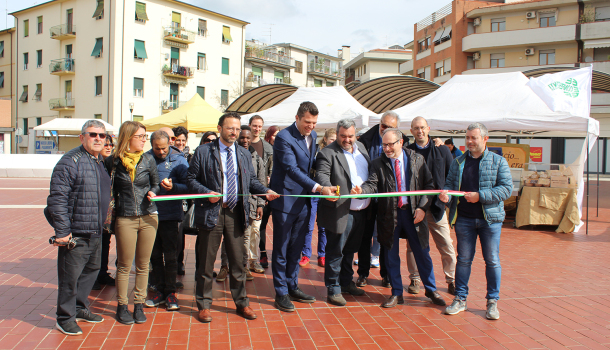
126 132
327 134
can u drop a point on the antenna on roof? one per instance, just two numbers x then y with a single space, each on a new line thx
270 27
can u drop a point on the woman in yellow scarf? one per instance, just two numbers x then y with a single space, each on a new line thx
136 180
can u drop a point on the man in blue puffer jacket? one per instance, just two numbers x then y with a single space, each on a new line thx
486 179
172 167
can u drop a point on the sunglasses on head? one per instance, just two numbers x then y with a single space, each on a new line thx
96 134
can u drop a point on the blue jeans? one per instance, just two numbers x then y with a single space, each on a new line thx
467 230
321 233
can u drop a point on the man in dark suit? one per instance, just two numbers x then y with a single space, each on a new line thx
223 167
344 163
293 157
397 170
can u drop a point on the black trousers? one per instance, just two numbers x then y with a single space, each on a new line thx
364 253
230 228
164 257
105 253
77 270
263 230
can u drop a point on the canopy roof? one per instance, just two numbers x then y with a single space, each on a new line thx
70 126
261 98
502 102
196 116
334 103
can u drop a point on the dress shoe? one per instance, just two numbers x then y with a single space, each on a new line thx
451 288
283 303
205 315
414 287
393 301
247 313
436 298
385 282
222 275
106 279
300 296
362 281
352 289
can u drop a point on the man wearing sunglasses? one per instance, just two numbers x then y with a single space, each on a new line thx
77 206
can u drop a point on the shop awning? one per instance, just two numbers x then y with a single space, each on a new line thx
597 43
98 47
141 11
99 10
140 49
226 33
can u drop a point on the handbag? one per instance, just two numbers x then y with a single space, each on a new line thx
187 226
111 214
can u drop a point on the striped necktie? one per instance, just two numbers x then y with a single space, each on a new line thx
231 183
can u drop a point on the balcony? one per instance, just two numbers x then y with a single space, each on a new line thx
518 38
178 35
269 57
405 68
62 66
63 31
169 106
61 104
253 81
324 71
180 72
595 30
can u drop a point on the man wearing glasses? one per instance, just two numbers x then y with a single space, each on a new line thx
76 207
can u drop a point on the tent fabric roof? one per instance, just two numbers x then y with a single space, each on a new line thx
502 102
261 98
388 93
334 103
600 81
69 125
196 115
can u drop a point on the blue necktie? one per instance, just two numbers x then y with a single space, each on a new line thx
231 185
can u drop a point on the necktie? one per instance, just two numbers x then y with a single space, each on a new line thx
231 184
398 181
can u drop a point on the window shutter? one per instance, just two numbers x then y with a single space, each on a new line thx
176 17
173 89
201 91
140 49
99 10
226 34
98 47
203 24
257 71
138 84
141 11
278 75
175 53
225 66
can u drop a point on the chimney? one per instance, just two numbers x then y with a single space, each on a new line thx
345 53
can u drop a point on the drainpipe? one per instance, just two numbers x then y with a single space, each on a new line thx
241 73
122 60
16 81
109 57
12 99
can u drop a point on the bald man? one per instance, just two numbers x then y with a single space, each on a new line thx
170 132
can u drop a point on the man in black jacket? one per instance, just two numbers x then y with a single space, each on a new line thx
398 170
76 207
372 142
438 159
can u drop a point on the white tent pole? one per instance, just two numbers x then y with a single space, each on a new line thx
597 198
587 222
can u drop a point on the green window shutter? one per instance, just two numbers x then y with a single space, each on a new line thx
176 17
140 49
329 83
99 10
68 85
224 97
68 50
26 27
39 54
258 71
138 118
200 60
278 75
175 53
201 91
1 79
141 11
39 19
98 86
225 66
138 84
24 95
317 83
226 34
25 126
98 47
173 89
1 48
26 58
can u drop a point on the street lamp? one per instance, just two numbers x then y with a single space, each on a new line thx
131 109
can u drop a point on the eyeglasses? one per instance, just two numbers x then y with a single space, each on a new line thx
96 134
387 145
109 145
143 137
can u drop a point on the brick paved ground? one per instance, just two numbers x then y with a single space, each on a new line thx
554 295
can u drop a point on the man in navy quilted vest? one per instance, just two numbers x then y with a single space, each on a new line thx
486 179
76 208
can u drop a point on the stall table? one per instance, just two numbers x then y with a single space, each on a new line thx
548 206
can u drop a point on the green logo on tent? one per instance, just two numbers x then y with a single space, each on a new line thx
569 88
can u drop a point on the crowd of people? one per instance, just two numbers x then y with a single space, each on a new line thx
102 189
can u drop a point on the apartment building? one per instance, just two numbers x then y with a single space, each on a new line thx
74 60
374 64
438 41
287 63
7 89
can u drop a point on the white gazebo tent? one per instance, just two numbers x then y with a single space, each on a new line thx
334 103
507 105
67 128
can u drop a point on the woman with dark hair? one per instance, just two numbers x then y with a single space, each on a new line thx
270 134
208 137
181 142
136 181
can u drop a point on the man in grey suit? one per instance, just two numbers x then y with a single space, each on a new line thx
344 163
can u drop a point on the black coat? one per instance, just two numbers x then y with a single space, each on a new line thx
205 176
382 179
130 197
74 201
368 138
438 162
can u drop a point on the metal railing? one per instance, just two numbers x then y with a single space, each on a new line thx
324 69
179 33
63 29
167 105
253 52
435 16
175 69
61 65
61 103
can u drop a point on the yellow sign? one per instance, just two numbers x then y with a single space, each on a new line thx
515 154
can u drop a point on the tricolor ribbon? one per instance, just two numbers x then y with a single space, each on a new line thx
357 196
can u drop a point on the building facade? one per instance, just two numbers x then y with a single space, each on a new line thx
375 64
74 60
7 90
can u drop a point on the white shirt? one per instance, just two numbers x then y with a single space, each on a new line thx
358 173
308 142
223 157
403 178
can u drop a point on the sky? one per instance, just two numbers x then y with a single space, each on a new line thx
321 25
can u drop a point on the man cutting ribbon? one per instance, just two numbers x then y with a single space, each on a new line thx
402 217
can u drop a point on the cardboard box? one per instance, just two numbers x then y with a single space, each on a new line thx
563 182
544 182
